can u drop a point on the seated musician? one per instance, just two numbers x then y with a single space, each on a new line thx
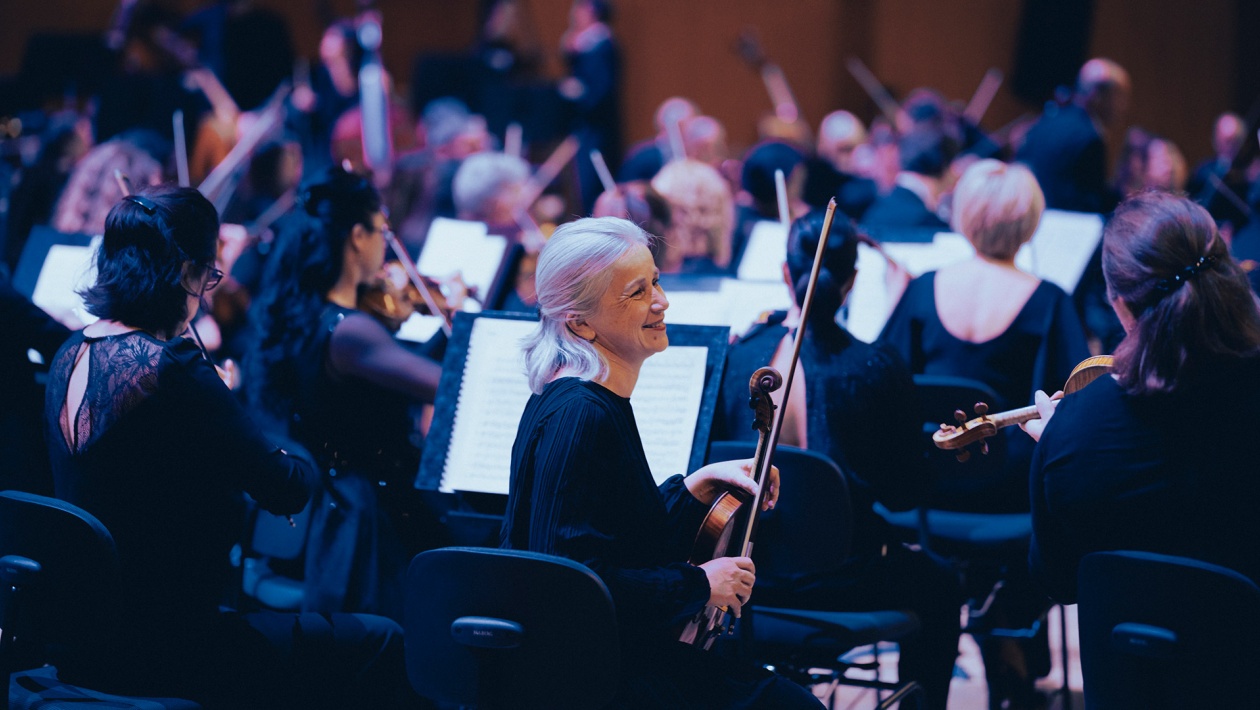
925 156
144 435
581 487
986 320
1158 456
340 384
855 403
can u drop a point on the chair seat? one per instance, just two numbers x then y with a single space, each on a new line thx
40 689
832 631
970 530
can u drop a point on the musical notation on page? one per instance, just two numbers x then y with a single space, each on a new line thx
494 391
666 403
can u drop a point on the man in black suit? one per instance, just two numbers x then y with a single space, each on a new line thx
830 172
1218 184
926 153
1066 148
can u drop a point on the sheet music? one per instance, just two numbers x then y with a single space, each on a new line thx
494 392
1061 247
457 246
666 404
419 328
735 304
765 253
491 399
67 269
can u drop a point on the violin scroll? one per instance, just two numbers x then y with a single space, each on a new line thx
760 385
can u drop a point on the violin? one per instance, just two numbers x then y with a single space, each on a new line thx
985 425
391 298
730 526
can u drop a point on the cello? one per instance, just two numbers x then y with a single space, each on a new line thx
729 528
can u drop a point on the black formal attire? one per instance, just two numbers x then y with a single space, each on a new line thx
854 195
643 162
861 413
160 452
1037 351
1168 474
23 454
902 208
581 488
597 111
1209 185
1245 248
1065 150
367 520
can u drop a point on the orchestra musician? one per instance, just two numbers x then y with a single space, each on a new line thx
581 487
1159 455
143 434
861 414
342 386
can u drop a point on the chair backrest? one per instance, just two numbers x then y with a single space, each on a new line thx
75 596
1166 632
953 481
809 531
505 628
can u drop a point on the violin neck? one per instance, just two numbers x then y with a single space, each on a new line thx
1014 416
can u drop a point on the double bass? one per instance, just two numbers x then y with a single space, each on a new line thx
729 528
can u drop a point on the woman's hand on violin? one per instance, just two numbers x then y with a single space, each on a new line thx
731 581
1045 409
706 483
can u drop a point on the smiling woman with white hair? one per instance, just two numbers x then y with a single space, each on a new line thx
581 487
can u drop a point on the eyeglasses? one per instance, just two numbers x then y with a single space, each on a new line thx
212 280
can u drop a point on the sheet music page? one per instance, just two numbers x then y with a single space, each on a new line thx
419 328
491 399
1061 247
457 246
66 270
666 403
696 308
765 253
746 301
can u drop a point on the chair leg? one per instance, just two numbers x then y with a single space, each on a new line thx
911 687
1066 692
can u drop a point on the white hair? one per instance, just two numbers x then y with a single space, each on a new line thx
482 177
574 270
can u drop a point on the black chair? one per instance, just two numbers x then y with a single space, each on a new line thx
803 540
1166 632
505 628
59 584
983 546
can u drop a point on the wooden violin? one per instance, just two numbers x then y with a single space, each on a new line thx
986 425
731 523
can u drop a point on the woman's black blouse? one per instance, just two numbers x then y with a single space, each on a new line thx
160 453
581 488
1174 475
1037 351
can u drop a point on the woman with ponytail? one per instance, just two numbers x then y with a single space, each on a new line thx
1159 456
855 403
336 381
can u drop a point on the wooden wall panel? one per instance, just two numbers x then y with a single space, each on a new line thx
1183 56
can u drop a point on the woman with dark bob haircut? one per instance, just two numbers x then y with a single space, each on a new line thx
144 435
1159 456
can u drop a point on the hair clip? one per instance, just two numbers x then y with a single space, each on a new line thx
1172 283
149 206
